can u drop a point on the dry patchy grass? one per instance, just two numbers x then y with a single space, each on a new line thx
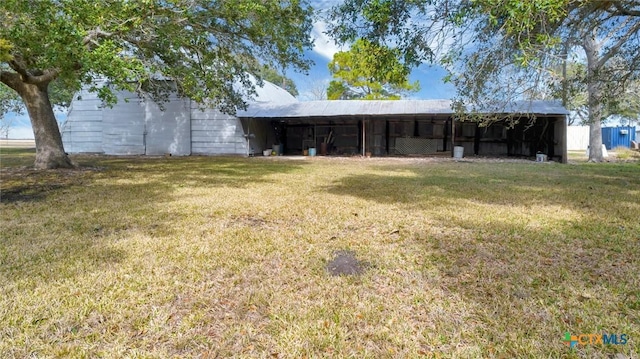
626 154
226 257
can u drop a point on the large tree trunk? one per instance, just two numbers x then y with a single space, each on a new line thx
594 103
595 141
49 149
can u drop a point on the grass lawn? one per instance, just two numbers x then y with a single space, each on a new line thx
226 257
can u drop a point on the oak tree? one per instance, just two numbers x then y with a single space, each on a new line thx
205 47
539 35
504 51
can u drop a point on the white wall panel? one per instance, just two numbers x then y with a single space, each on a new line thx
216 133
82 131
123 127
168 130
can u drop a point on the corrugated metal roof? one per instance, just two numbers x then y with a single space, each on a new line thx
270 93
380 108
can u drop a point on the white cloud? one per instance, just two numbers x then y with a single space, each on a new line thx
323 44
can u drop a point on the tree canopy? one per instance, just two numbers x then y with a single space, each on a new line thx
535 38
503 51
205 47
369 71
569 83
272 75
9 101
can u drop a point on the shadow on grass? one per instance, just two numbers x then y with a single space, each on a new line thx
27 193
62 223
578 187
200 171
14 157
531 276
73 229
20 184
470 201
534 286
30 185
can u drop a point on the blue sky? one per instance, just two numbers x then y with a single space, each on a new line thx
429 77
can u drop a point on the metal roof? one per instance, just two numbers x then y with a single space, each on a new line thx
380 108
270 93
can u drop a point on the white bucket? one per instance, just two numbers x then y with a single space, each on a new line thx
541 157
458 151
266 152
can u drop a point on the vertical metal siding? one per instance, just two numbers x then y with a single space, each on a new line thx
82 131
216 133
613 137
168 130
577 138
123 126
136 127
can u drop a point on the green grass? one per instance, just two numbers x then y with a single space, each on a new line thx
13 157
225 257
625 153
618 154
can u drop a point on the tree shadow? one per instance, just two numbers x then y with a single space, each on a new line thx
535 284
575 258
27 193
424 186
70 239
203 171
62 223
25 184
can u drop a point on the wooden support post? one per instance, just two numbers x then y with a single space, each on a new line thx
445 140
387 137
476 140
364 142
453 135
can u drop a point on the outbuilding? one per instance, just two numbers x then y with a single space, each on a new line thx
179 127
409 127
274 117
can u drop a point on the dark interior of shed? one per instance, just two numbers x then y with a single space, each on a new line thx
410 136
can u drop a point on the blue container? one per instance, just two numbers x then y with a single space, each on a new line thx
312 151
621 136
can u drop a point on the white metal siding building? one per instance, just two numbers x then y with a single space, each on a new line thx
136 127
274 117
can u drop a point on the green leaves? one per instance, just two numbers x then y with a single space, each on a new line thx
369 71
9 101
389 23
5 50
270 74
204 46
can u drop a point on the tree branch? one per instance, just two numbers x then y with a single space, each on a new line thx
42 77
614 31
46 77
93 35
11 79
613 50
625 11
19 67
